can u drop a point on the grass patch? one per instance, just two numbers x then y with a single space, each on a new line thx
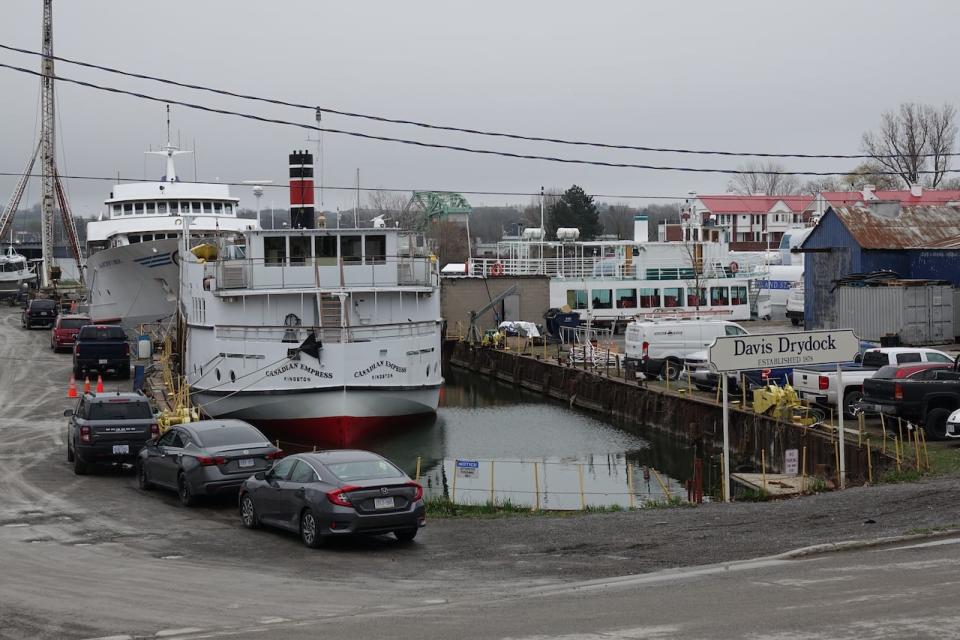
896 477
672 503
753 495
442 507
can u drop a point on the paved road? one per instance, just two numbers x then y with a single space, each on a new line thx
93 556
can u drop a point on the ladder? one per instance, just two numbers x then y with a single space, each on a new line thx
331 316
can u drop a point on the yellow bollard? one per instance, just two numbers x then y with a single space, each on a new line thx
536 486
763 468
926 454
453 490
861 425
583 498
668 375
869 463
743 394
719 389
666 491
916 447
417 478
803 471
900 429
896 450
493 500
630 485
883 425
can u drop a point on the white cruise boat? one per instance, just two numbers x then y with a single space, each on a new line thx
317 336
612 282
132 248
15 271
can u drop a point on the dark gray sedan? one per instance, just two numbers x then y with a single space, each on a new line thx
334 493
205 458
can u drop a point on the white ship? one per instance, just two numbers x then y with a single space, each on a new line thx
314 335
132 248
15 271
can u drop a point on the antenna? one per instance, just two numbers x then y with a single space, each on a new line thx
258 193
168 124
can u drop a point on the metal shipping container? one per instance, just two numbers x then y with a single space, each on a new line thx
919 314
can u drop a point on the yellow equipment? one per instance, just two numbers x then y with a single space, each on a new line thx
205 252
783 404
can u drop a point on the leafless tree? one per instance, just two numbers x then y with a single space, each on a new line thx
870 173
449 240
531 213
618 220
913 139
763 177
393 205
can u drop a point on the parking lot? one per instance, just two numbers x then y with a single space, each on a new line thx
94 556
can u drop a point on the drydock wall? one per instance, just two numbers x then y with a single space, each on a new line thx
690 419
460 296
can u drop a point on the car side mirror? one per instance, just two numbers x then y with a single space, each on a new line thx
260 475
68 413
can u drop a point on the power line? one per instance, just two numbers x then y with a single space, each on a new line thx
418 143
481 132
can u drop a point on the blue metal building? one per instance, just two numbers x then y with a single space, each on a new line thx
921 242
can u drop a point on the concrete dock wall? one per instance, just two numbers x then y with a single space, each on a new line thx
693 419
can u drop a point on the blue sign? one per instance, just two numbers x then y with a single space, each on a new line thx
774 284
468 464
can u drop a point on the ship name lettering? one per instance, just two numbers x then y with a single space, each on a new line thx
377 365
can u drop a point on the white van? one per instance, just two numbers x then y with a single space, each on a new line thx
652 344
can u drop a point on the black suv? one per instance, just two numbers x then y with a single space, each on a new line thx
108 428
39 312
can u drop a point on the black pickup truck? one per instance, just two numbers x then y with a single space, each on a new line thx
919 392
108 428
101 349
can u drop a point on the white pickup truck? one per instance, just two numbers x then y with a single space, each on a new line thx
819 384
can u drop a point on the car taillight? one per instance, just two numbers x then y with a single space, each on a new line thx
126 349
897 392
85 434
646 350
275 455
209 461
154 430
418 490
823 382
339 496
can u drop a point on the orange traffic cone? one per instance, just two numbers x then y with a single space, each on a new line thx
72 388
86 384
99 383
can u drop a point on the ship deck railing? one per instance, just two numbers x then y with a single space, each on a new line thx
598 268
320 273
296 335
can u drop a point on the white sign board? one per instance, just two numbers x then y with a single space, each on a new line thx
766 350
791 459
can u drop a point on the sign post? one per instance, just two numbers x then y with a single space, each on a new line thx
769 350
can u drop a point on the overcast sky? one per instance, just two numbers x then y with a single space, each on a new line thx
756 76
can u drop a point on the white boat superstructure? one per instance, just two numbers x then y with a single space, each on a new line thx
314 335
133 250
15 270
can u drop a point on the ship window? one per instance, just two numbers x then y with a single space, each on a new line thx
626 298
161 207
719 296
147 237
229 209
151 207
133 239
602 299
376 249
351 249
738 295
138 208
299 250
116 209
218 207
274 251
649 298
196 207
673 297
207 207
577 298
127 208
325 250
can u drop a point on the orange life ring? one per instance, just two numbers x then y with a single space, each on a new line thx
496 269
734 267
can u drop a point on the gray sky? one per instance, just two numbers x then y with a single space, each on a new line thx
756 76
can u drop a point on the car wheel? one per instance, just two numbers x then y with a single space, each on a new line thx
248 512
795 322
310 529
851 398
671 369
935 424
80 467
406 535
186 496
142 480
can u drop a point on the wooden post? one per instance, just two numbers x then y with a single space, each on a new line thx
536 485
803 472
763 468
743 393
836 458
630 485
493 500
453 490
900 429
663 486
583 498
860 425
916 447
419 461
883 426
869 463
896 450
926 454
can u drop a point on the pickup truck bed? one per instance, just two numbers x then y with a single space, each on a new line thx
101 349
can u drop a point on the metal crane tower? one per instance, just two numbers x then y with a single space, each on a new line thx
52 191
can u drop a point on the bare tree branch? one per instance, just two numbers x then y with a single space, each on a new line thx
761 177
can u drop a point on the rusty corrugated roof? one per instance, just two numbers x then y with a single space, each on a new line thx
890 225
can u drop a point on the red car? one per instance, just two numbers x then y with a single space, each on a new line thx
65 330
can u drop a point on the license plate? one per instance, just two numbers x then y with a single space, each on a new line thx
383 503
245 462
121 448
102 361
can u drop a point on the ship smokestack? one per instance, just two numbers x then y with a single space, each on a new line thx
301 190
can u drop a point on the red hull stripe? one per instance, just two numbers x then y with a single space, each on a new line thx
335 431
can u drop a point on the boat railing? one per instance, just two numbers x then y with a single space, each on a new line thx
321 273
296 335
602 268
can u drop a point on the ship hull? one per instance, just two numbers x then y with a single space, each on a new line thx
134 284
333 416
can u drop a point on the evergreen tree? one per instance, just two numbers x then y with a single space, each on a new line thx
575 209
